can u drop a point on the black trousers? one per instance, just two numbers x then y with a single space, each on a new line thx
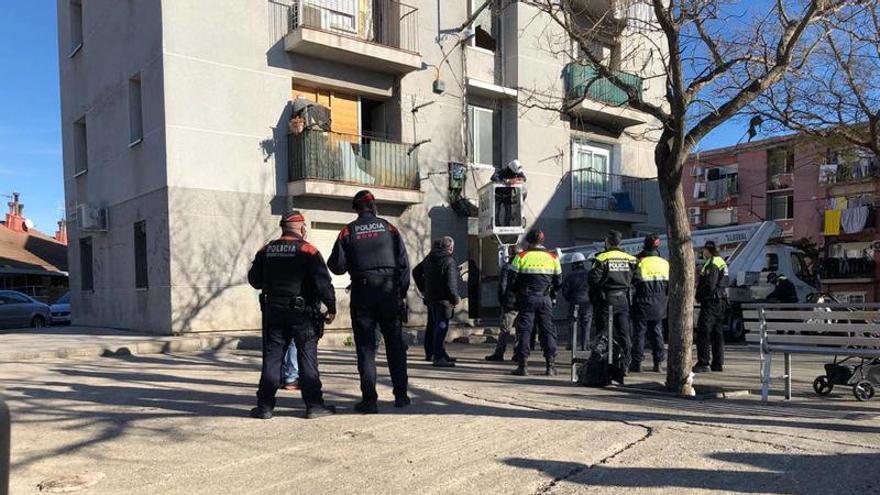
429 335
710 334
619 305
440 314
582 323
535 316
279 327
380 310
652 331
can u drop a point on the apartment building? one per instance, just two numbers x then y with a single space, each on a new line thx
179 151
824 193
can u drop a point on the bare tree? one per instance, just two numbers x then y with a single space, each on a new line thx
836 94
717 57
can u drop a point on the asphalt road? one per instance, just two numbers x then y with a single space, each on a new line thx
177 424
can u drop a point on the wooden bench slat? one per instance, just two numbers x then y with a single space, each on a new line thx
829 351
822 340
813 315
820 327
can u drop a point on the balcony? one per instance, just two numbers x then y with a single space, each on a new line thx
597 99
847 270
381 35
333 165
608 197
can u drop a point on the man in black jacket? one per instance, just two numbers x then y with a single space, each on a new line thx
651 285
294 283
419 276
441 295
610 289
784 292
371 250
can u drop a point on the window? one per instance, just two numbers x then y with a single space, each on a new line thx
87 281
80 147
76 26
140 255
483 136
485 26
135 111
591 181
780 161
771 262
781 207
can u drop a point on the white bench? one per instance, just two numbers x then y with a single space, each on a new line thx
819 329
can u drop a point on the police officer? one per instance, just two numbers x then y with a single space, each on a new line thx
536 276
294 281
371 250
610 285
575 290
712 296
651 288
507 301
784 290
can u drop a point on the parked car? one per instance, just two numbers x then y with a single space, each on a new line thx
61 310
18 310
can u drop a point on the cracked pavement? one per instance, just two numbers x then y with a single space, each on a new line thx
177 424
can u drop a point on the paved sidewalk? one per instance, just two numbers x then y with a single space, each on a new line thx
176 424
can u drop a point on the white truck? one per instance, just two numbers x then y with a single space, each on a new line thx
752 251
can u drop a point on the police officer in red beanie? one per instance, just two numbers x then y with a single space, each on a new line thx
371 250
294 281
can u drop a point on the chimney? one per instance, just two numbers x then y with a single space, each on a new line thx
61 233
14 219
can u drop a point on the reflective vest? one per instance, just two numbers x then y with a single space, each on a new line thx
537 272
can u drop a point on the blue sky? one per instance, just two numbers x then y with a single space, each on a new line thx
30 127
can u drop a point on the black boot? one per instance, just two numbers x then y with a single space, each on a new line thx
366 407
635 367
316 412
551 368
261 413
402 401
449 358
522 369
495 356
443 363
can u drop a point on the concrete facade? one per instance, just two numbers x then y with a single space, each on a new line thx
211 173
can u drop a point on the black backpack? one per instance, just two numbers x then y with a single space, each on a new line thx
597 372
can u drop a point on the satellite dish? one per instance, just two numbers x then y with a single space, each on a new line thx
29 223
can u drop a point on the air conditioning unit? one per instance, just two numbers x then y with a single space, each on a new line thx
694 214
697 172
91 218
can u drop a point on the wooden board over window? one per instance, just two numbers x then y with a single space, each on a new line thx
343 107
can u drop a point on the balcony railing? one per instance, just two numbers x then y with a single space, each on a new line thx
582 80
352 159
384 22
595 190
849 173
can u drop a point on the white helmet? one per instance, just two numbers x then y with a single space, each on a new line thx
578 258
514 166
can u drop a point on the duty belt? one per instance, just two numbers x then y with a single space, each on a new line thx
292 302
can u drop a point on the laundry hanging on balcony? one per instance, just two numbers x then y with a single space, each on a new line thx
853 219
832 222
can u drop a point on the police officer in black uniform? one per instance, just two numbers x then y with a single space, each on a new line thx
610 287
650 301
294 281
784 290
371 250
712 296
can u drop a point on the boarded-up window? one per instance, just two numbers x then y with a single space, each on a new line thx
344 108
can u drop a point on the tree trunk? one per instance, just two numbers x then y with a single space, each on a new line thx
681 275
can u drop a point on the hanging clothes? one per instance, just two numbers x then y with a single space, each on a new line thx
853 220
716 190
832 222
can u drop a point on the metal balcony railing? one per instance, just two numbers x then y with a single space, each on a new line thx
582 80
595 190
383 22
352 159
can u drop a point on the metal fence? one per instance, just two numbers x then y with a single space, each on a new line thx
352 159
582 80
594 190
384 22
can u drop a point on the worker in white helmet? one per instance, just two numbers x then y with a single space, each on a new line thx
507 200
